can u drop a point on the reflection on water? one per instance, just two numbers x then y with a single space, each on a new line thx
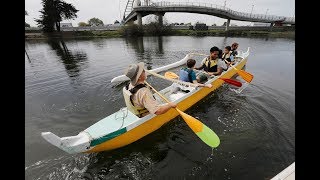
136 44
146 50
68 89
160 45
72 61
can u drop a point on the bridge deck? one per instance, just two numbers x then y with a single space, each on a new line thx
204 8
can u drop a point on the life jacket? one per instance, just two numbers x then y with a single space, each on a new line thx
185 75
127 94
225 56
228 57
213 65
234 53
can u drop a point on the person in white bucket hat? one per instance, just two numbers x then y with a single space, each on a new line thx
138 97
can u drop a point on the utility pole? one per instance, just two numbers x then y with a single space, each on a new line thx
251 9
119 10
266 13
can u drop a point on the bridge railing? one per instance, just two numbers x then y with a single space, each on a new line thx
226 9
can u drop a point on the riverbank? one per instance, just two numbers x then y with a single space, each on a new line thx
118 33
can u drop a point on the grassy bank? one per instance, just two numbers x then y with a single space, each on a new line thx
75 34
128 31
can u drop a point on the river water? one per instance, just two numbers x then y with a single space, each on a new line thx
68 88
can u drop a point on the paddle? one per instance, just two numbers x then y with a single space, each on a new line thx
172 80
231 81
173 75
245 75
200 129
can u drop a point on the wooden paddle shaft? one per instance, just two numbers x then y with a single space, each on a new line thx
231 65
164 98
172 80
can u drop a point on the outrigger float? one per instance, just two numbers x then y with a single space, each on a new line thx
123 127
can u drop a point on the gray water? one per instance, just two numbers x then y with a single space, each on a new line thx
67 89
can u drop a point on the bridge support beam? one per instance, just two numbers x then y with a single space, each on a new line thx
160 18
227 25
139 19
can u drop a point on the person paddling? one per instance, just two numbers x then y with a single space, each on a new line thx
212 64
187 74
138 98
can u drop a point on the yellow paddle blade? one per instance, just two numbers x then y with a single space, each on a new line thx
245 75
192 122
201 130
171 75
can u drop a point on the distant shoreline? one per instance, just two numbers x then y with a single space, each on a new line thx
114 34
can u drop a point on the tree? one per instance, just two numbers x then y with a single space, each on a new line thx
214 24
53 12
81 24
95 22
224 24
116 22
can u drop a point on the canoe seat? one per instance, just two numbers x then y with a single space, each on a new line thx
176 96
177 91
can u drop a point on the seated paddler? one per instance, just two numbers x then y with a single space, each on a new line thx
187 74
212 64
138 97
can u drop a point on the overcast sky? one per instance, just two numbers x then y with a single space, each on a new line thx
110 10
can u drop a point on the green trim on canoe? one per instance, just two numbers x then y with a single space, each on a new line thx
107 137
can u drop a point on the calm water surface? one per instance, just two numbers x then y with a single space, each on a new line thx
67 89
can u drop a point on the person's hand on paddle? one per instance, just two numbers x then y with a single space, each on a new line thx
204 85
208 85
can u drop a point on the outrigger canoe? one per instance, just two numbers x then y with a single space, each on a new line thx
123 127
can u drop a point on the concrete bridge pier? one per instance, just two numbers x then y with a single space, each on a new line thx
139 19
160 18
227 25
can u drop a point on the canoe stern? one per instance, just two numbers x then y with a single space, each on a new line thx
70 144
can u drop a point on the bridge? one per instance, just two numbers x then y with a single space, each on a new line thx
136 9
